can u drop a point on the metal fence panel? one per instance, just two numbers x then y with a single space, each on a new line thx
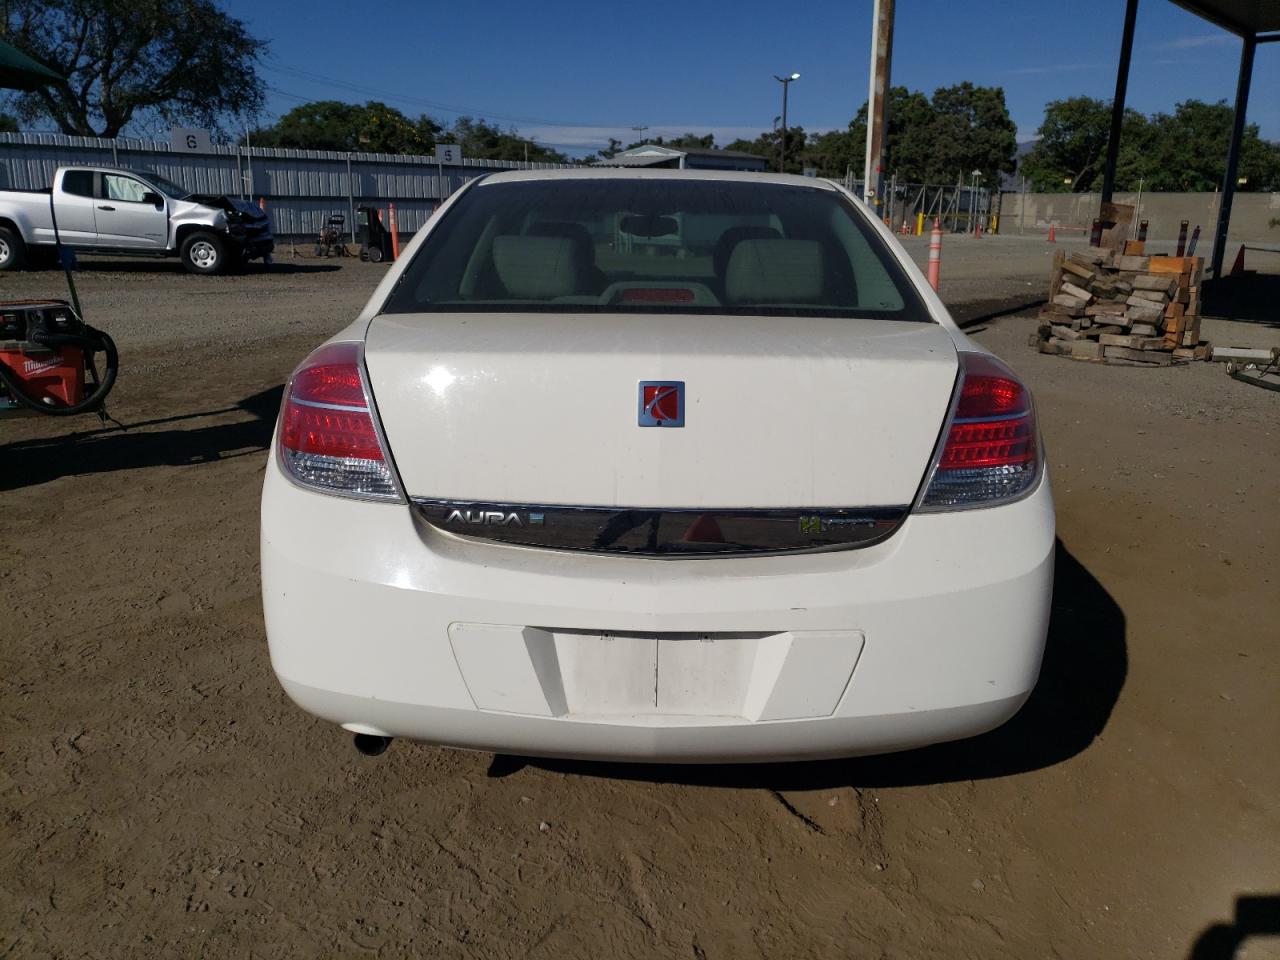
301 188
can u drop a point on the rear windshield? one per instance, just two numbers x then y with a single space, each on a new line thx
656 245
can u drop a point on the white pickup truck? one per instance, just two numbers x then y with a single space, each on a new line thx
133 212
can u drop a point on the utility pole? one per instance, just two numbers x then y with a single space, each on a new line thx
248 159
782 143
878 101
640 130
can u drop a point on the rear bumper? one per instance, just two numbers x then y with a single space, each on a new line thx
385 625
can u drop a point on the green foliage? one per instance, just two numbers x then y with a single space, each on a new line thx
688 140
768 144
8 124
377 128
173 61
332 125
1185 150
1072 146
481 140
608 153
929 140
835 152
971 130
1188 150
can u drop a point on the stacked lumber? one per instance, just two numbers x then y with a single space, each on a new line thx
1123 308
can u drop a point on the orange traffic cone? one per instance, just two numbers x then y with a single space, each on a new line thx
935 254
1237 268
1052 238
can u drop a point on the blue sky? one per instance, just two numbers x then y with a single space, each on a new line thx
574 74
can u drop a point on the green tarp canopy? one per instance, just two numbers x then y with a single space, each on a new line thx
20 72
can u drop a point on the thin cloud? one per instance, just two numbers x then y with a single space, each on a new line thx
1194 42
1054 68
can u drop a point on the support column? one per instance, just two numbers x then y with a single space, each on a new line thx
878 103
1233 155
1117 102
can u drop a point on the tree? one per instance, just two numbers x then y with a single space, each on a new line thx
971 130
1072 146
481 140
835 152
767 145
1183 151
691 140
176 61
8 124
609 152
929 140
333 125
1188 150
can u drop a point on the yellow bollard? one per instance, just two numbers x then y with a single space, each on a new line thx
920 223
995 223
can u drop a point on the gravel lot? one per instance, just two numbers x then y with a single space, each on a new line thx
162 798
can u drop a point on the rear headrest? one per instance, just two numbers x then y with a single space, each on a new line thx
734 236
774 271
537 268
583 249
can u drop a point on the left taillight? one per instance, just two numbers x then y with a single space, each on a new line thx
991 451
328 439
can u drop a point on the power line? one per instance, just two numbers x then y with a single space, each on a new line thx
277 67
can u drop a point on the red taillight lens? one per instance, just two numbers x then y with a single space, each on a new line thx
987 393
994 444
328 438
991 453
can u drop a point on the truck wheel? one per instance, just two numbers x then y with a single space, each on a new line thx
204 253
13 252
375 254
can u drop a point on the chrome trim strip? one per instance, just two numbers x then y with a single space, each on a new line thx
659 532
1000 419
330 406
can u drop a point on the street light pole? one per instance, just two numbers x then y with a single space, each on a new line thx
782 143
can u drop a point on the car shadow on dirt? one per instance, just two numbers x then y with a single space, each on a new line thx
170 441
1085 664
1256 916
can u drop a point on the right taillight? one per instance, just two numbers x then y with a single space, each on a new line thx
328 438
991 453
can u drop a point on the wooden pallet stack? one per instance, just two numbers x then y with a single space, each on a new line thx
1116 308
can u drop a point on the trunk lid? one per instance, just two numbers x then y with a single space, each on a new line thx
543 408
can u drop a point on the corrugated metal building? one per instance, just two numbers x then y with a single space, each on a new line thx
686 158
301 188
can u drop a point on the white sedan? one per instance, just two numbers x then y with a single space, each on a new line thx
656 465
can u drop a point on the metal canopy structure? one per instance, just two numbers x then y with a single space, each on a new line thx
20 72
1255 22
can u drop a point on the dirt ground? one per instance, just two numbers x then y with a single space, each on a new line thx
162 798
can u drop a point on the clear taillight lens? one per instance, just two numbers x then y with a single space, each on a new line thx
328 439
991 453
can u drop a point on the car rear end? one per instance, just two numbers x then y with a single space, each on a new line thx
564 493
